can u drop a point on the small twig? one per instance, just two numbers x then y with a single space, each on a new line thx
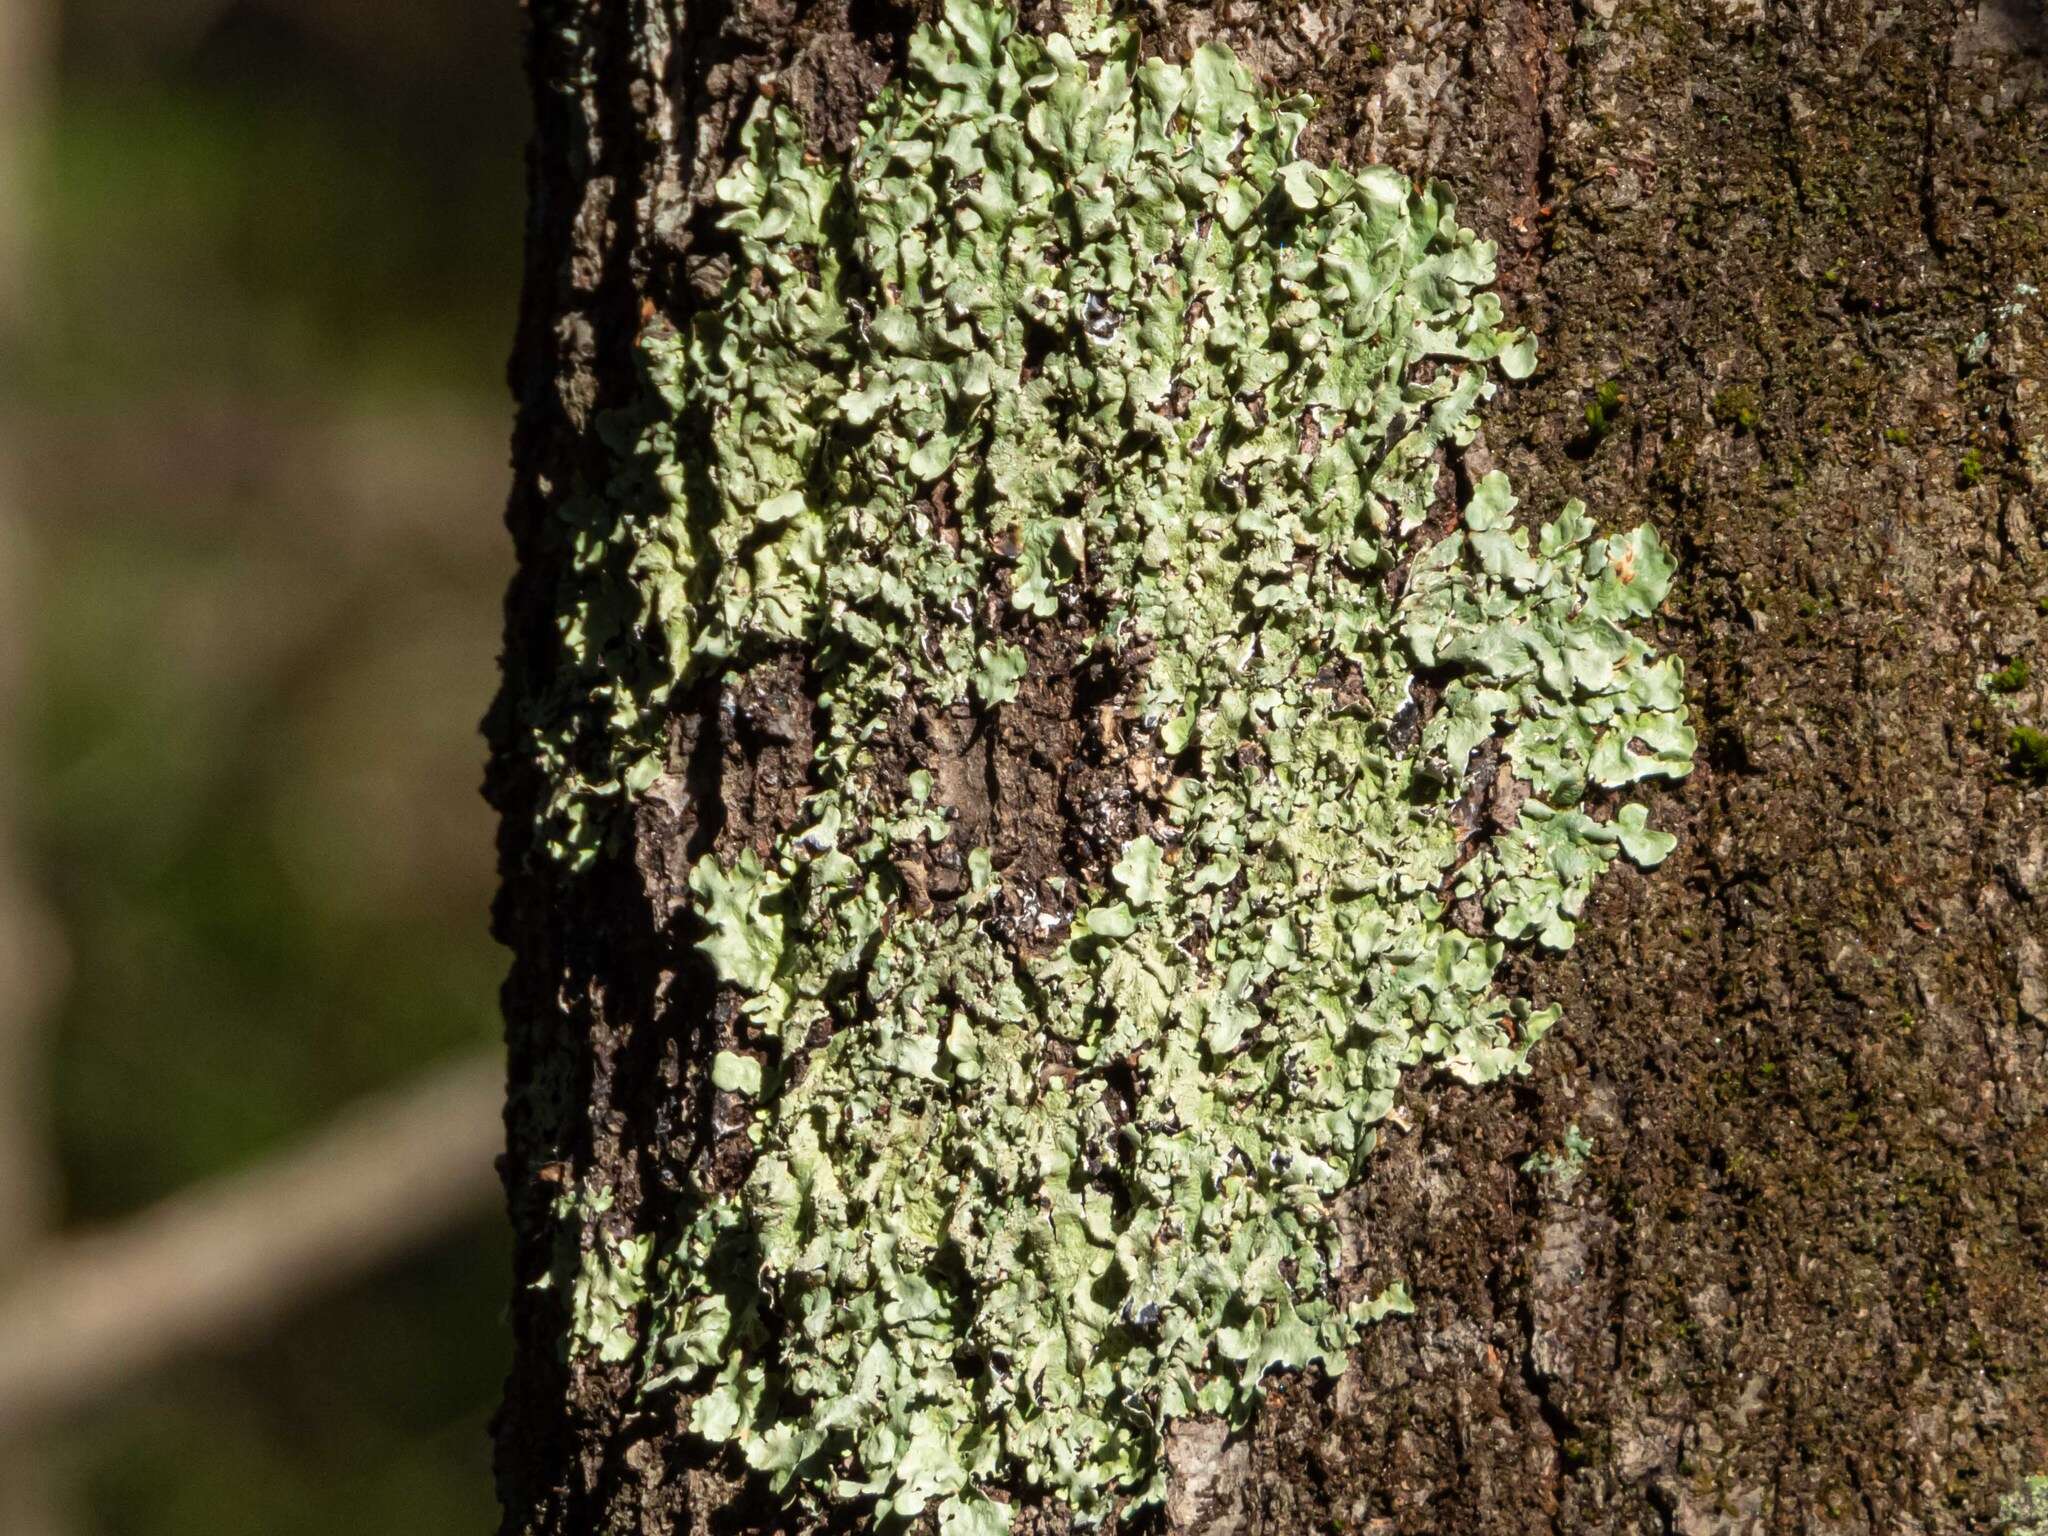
222 1259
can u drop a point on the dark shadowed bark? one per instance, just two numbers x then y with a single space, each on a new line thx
1778 256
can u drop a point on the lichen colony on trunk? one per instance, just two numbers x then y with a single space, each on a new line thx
1074 336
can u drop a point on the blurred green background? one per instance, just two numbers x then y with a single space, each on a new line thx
254 400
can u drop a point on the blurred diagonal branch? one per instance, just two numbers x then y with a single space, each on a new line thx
218 1261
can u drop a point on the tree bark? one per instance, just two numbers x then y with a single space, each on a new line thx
1799 1283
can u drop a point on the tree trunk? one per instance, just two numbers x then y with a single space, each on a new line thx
1762 1243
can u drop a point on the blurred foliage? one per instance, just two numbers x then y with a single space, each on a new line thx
364 1415
244 780
269 206
287 243
277 253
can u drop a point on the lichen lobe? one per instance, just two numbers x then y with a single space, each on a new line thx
1077 340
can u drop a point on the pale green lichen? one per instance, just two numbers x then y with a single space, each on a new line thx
2024 1511
1073 335
1563 1166
606 1277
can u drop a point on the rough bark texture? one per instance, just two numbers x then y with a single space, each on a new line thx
1801 1284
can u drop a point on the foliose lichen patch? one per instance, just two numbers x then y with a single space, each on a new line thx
2024 1511
1076 335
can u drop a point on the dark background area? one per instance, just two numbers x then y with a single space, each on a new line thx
258 420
